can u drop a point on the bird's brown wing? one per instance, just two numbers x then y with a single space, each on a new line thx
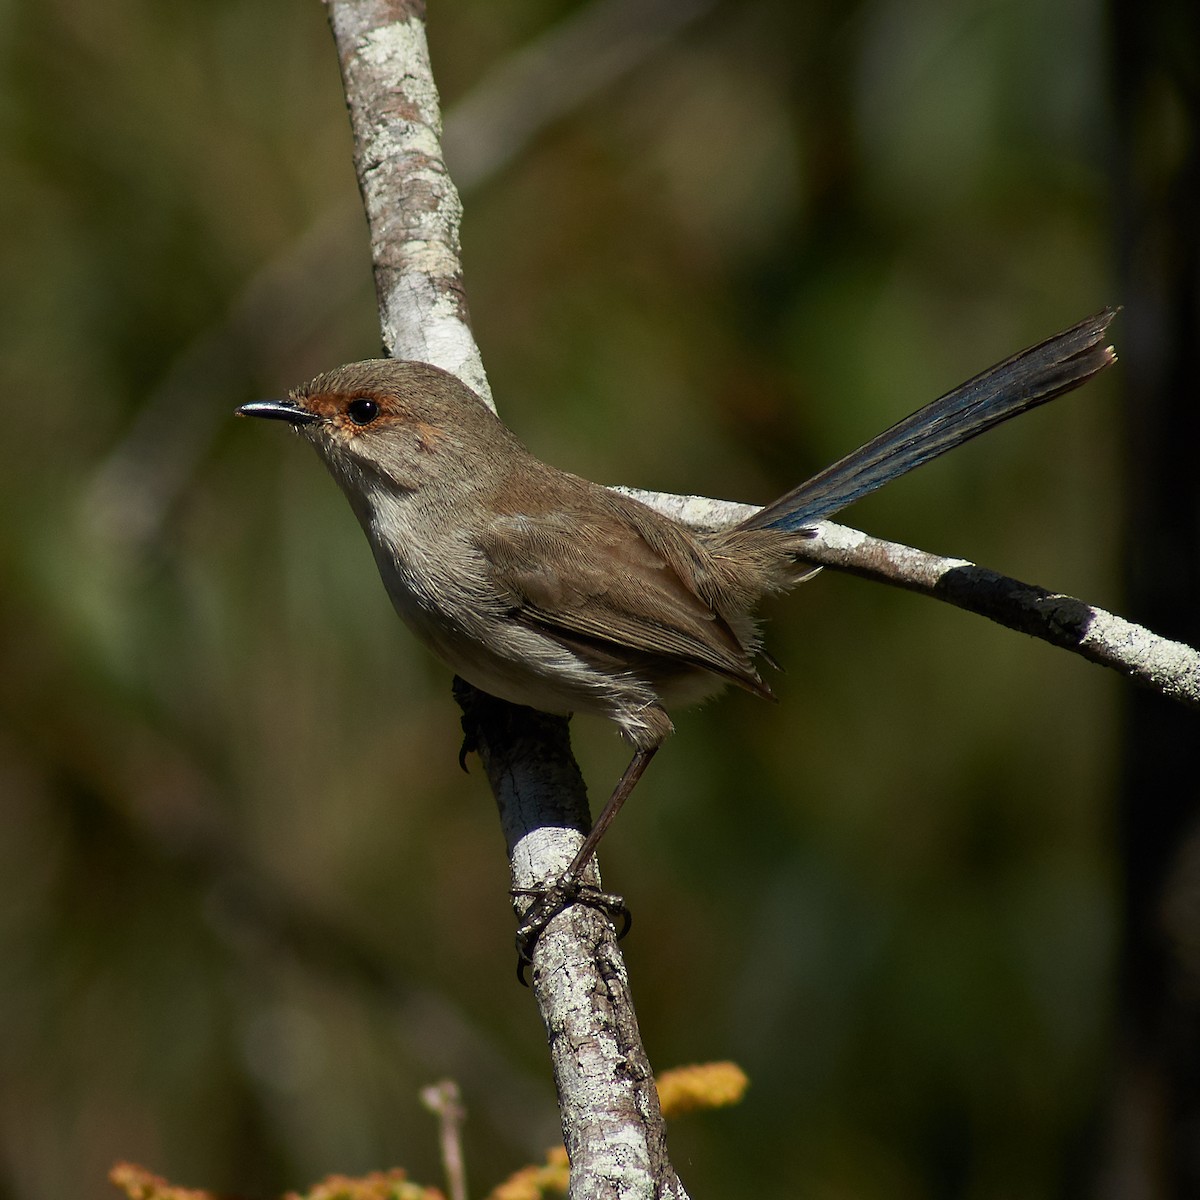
596 577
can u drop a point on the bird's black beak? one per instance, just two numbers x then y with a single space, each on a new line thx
279 410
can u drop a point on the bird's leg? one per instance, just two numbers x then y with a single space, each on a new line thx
566 888
625 785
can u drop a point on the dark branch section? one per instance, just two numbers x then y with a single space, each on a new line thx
1062 621
1170 668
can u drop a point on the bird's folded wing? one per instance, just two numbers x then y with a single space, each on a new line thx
600 580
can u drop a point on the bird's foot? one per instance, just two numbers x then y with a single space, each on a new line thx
551 901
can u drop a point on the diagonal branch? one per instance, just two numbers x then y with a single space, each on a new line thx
1170 668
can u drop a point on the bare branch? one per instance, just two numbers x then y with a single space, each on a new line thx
444 1100
1169 668
612 1124
413 210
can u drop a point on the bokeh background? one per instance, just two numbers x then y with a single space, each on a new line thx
248 903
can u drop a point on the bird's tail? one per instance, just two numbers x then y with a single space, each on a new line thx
1028 379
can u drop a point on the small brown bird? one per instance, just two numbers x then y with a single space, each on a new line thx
547 590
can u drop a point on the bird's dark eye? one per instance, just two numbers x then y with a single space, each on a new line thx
362 410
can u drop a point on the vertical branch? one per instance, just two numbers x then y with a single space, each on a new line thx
412 206
612 1124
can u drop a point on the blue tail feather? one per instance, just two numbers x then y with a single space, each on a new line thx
1020 383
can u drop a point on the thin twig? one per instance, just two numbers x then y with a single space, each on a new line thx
444 1100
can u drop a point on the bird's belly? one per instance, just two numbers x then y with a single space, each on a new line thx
521 665
488 647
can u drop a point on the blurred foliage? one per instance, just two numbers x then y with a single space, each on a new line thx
139 1184
249 905
681 1091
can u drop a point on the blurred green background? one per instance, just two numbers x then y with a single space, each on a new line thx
248 903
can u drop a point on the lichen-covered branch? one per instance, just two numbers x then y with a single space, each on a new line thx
611 1121
1169 668
413 210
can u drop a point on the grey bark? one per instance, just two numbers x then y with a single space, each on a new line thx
612 1125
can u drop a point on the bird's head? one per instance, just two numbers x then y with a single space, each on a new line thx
383 421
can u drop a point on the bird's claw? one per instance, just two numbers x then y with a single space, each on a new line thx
550 902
